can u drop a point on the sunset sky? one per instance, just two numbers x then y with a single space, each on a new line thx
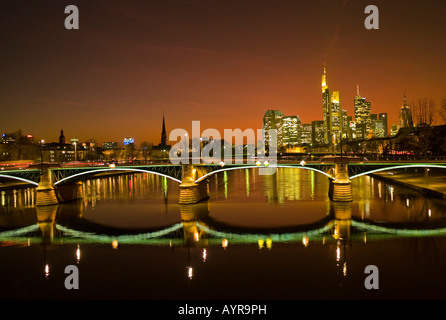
221 62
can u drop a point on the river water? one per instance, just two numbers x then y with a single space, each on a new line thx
275 237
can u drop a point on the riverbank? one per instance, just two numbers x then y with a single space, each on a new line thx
431 185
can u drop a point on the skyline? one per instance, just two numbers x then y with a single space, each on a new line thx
221 64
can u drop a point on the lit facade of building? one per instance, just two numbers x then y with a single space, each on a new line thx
336 118
291 127
272 119
326 108
362 115
383 118
332 113
306 134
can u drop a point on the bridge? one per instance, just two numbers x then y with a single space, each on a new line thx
56 184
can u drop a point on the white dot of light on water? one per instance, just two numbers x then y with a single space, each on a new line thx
190 273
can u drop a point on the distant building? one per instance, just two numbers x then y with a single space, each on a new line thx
405 116
161 151
332 113
326 108
393 130
317 132
291 130
110 145
58 152
383 118
272 119
306 134
362 115
61 137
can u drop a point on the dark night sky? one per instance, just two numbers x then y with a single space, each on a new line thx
223 62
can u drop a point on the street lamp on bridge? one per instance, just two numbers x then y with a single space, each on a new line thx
41 150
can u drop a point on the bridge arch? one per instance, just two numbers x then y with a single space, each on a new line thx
71 177
20 179
399 167
256 167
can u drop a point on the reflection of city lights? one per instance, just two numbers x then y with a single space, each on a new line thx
115 244
407 202
429 212
344 269
338 253
47 271
336 232
269 243
305 241
189 272
224 243
391 193
204 255
78 254
260 242
365 238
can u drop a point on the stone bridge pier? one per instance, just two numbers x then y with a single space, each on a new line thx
191 192
47 194
341 186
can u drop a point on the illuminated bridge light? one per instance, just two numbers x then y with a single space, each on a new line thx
224 243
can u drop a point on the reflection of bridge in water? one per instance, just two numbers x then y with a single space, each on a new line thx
199 228
57 185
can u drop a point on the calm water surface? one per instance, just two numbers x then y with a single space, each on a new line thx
257 237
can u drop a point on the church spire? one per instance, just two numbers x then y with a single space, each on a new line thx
163 133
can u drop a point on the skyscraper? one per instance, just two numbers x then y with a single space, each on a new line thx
362 115
383 118
291 127
306 134
326 107
336 118
332 113
272 119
